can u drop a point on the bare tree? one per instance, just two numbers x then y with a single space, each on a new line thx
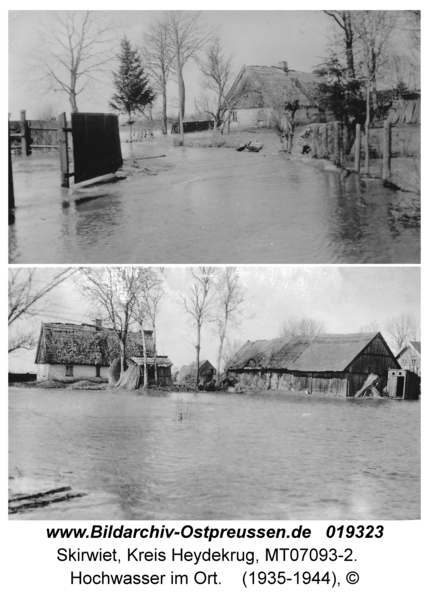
198 303
373 29
293 327
343 18
402 328
25 292
230 350
73 51
216 68
187 37
371 327
113 291
157 56
149 293
229 299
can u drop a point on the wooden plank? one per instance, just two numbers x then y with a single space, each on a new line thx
62 143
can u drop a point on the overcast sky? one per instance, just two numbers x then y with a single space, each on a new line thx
344 298
253 37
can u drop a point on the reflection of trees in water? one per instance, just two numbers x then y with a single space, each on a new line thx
357 219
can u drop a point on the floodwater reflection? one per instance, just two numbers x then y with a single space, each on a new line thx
210 205
188 456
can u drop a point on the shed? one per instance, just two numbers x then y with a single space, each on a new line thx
68 352
335 364
403 384
272 87
207 371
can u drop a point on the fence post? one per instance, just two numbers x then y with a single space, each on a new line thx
345 142
25 135
357 149
337 160
387 151
325 146
315 144
63 150
11 191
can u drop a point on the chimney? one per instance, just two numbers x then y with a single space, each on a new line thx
283 65
99 323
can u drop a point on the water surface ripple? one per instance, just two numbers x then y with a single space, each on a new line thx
216 456
211 205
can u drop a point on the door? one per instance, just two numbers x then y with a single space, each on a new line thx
96 145
400 387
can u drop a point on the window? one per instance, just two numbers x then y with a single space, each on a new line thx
97 370
234 116
69 370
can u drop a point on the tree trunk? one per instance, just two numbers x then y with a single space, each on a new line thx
367 122
182 86
179 86
144 358
164 110
348 32
155 366
131 128
73 102
219 355
123 360
198 356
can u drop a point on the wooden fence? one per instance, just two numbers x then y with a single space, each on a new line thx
332 141
27 135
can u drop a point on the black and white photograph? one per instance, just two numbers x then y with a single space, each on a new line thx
214 137
232 393
215 278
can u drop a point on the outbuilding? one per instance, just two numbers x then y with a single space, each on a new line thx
334 364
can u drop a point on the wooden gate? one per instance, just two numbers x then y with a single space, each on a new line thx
96 145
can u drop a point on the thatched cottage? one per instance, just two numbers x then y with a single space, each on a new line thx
272 88
410 357
68 352
334 364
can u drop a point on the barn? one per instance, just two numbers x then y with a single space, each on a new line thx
70 352
271 88
333 364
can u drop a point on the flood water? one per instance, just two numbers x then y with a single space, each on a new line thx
211 205
216 456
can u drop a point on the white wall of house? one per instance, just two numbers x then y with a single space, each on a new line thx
251 117
49 372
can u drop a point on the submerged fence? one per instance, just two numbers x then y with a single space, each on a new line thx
334 142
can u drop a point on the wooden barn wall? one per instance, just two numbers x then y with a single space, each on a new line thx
374 359
332 384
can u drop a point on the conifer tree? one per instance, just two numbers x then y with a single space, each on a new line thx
134 91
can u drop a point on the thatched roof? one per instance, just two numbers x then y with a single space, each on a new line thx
326 352
276 84
67 343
